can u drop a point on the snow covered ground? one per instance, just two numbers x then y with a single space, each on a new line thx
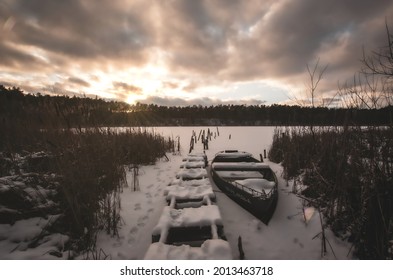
288 236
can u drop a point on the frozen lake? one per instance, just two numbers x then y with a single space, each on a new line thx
253 139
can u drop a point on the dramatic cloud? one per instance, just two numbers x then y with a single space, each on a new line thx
78 81
126 87
185 50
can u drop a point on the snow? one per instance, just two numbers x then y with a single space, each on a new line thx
257 184
189 183
216 249
188 217
192 174
238 154
193 192
194 157
239 174
288 236
193 164
16 240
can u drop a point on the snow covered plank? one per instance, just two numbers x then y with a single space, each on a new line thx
190 193
189 183
188 217
216 249
194 158
201 217
193 164
235 154
192 174
180 204
196 154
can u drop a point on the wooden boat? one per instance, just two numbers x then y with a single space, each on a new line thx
250 183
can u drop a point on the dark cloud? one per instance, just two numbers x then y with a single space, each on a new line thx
78 81
12 58
203 43
295 31
127 87
123 90
81 29
195 37
190 87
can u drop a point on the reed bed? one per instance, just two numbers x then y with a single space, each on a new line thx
90 167
347 173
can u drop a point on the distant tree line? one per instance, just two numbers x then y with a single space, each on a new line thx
51 111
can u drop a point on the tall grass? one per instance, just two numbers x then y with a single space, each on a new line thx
348 174
90 165
93 170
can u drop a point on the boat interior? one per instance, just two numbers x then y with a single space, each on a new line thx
243 170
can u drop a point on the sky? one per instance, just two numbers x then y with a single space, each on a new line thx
187 52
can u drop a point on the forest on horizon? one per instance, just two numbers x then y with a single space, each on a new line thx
65 111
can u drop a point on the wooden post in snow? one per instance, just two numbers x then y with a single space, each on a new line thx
199 136
191 144
240 247
135 180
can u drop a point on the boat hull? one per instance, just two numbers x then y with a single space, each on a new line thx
261 208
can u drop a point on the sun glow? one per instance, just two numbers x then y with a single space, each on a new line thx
132 99
150 79
149 86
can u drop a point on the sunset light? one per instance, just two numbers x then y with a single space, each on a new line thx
185 52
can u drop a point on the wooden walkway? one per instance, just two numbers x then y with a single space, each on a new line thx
190 226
